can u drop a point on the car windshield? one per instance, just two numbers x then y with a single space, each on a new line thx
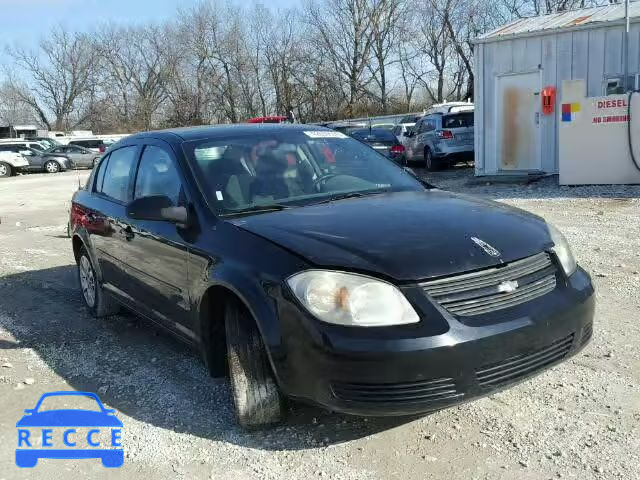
373 135
290 168
65 402
458 120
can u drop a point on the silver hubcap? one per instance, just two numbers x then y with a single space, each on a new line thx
52 167
3 170
87 281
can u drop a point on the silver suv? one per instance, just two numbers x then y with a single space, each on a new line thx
440 139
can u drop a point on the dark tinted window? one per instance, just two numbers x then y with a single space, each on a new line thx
374 135
87 143
157 175
459 120
36 146
118 172
410 119
58 150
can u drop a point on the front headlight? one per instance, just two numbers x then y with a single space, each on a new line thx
562 250
351 300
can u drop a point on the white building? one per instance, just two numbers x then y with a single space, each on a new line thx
516 62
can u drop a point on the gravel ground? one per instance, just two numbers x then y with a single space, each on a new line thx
580 420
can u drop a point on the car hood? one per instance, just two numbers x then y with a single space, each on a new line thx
405 236
69 418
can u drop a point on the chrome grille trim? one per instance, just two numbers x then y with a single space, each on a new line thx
478 292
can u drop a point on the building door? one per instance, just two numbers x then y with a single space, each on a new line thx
518 122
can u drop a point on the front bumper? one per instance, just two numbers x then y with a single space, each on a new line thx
397 371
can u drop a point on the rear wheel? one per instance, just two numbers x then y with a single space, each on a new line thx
99 303
52 166
6 170
430 162
256 396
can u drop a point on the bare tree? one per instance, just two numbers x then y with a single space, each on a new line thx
386 17
57 76
343 28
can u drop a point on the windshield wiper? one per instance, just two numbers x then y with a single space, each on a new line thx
268 207
344 196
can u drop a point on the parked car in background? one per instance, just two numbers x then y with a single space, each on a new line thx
36 145
347 127
384 126
12 163
439 140
302 264
383 141
46 142
80 157
38 161
401 132
97 145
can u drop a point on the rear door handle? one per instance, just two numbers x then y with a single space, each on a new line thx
128 233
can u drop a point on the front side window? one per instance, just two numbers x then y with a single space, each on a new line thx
36 146
157 175
290 168
117 173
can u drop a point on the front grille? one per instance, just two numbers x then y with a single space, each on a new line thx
493 289
514 368
426 391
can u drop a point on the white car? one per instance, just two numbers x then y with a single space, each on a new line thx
27 143
11 162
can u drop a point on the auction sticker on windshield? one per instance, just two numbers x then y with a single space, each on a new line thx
57 428
324 134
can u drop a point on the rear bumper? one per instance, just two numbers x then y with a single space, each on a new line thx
386 376
441 151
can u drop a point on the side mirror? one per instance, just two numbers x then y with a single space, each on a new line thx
157 208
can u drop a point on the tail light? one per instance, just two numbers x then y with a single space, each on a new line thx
445 134
397 150
102 148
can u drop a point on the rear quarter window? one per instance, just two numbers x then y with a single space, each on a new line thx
458 120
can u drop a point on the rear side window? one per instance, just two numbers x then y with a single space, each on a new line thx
157 175
459 120
117 172
374 135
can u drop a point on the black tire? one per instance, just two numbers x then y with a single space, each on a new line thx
6 170
430 163
256 396
51 166
98 302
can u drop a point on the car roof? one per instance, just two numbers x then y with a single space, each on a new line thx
179 135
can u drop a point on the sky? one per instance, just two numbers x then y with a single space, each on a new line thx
24 22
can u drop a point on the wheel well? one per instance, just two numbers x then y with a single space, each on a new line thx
77 246
212 324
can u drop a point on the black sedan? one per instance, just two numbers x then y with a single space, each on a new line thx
303 264
383 141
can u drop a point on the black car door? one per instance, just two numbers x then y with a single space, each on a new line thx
112 192
158 250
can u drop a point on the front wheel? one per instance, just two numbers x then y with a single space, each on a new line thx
6 170
52 166
256 396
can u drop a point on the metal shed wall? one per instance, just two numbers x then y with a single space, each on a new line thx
591 53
